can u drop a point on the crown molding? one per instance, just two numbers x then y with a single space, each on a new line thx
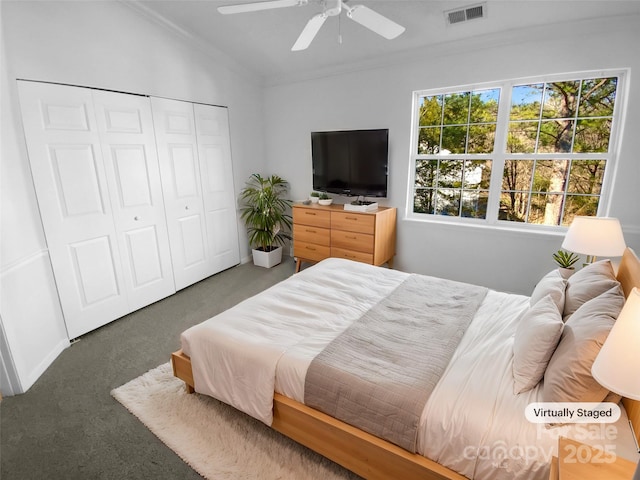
195 41
444 49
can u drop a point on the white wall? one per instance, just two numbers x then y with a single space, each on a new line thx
104 45
381 98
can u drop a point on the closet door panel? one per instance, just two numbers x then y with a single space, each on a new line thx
71 186
224 242
183 162
95 271
144 257
212 127
127 137
69 164
193 249
182 188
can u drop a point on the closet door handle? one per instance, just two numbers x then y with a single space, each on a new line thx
136 218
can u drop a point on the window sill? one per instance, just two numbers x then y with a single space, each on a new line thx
500 226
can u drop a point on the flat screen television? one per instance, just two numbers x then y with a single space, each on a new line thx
351 162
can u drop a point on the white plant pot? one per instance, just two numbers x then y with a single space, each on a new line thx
267 259
325 202
566 272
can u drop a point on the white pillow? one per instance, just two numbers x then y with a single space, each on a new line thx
551 284
587 283
568 376
536 339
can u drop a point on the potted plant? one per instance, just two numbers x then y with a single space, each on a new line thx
324 199
566 261
314 197
264 211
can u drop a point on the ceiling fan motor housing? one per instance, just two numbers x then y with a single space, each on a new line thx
333 7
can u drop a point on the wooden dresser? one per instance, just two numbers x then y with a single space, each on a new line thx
321 232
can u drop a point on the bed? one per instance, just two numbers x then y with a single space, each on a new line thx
257 355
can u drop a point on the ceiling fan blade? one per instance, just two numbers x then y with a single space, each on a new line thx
309 32
255 6
375 22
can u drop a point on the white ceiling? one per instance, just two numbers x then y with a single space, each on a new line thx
261 41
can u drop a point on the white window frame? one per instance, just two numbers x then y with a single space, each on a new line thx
500 153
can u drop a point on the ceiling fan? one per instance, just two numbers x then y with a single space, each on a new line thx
331 8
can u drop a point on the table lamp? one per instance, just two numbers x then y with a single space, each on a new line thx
617 366
595 237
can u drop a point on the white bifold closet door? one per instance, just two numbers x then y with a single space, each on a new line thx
133 178
212 133
95 170
195 165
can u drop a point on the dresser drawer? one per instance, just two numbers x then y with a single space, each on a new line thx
310 216
353 222
351 255
361 242
310 251
311 234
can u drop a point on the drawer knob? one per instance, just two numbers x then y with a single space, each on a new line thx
352 218
310 248
350 237
310 213
310 231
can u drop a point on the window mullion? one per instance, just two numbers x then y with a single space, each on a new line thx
499 155
413 152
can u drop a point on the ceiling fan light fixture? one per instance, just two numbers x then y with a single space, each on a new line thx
333 7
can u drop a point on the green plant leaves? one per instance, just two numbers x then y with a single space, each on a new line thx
265 211
565 259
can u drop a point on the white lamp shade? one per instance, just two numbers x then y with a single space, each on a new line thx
617 366
595 236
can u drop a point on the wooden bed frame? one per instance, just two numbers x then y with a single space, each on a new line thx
365 454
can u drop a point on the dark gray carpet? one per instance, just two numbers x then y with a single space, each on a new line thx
67 426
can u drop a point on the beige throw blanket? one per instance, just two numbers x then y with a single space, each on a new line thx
379 373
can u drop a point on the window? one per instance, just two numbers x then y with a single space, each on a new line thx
456 131
531 152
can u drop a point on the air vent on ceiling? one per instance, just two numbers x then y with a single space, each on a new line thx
465 14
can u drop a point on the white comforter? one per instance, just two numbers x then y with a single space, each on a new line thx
283 327
472 423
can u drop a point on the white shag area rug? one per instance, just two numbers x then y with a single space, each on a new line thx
216 440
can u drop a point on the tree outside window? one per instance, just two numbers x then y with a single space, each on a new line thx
570 117
557 145
456 131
